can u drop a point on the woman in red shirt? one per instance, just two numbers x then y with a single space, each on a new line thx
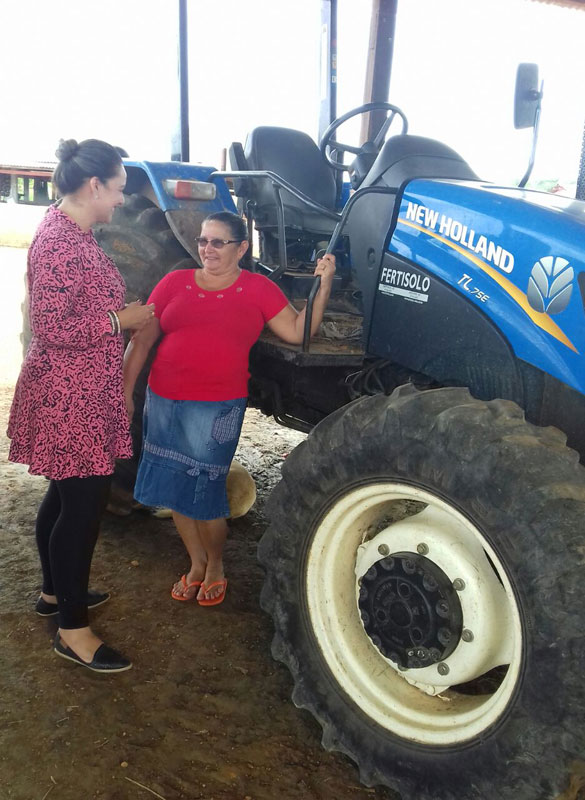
209 319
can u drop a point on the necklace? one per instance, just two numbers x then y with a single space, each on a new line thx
223 282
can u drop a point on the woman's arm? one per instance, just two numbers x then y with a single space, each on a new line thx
289 324
52 303
135 358
52 307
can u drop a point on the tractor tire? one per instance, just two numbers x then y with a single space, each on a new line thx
142 245
424 573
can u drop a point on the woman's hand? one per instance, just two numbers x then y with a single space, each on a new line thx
326 269
135 358
135 316
288 324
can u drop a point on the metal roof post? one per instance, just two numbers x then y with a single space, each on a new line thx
180 136
328 72
580 191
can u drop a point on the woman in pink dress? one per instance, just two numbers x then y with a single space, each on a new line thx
68 419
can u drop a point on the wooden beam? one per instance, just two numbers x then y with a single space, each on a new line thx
379 66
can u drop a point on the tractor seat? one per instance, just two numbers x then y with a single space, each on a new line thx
293 156
404 158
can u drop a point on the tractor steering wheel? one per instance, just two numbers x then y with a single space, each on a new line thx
326 145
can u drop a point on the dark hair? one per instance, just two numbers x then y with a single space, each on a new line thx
237 226
83 160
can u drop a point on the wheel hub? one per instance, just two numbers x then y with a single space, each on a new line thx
410 610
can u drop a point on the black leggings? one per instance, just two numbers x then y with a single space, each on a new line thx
66 530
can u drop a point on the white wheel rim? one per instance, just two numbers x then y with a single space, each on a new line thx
344 548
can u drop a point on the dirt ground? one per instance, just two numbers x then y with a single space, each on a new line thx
206 712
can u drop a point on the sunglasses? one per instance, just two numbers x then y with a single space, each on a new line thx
217 244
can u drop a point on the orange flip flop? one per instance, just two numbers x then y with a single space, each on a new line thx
181 597
215 601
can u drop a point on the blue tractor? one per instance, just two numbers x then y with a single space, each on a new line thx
424 558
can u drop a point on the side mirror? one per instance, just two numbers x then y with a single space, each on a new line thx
527 96
527 102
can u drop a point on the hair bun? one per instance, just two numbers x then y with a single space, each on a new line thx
68 148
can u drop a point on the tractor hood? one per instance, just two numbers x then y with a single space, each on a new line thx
518 254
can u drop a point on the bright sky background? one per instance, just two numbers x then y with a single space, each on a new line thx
107 69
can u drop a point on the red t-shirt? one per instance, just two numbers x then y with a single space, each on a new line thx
204 352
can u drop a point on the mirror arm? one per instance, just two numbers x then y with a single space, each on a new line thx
530 166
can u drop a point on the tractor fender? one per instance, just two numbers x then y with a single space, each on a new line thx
157 181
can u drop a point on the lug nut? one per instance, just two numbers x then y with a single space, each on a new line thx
383 549
467 635
422 548
442 608
459 584
442 668
444 635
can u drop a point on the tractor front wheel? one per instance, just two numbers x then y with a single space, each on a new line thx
424 575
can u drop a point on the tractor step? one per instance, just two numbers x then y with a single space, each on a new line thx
338 342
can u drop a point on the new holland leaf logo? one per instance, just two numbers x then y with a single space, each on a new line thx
550 285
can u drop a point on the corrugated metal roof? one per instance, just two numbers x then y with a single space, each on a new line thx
28 166
576 4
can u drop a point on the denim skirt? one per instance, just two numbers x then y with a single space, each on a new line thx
187 449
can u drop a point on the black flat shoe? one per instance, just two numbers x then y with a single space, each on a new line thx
94 599
104 659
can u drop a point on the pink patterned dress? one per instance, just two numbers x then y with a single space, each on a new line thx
68 417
